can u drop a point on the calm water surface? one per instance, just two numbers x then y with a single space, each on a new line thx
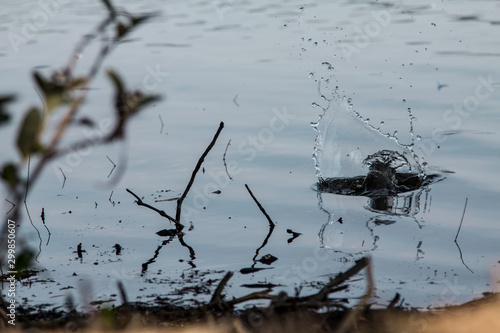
262 68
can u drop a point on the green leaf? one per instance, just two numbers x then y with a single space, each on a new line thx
27 139
9 174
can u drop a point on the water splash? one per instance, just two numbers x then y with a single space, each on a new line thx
353 157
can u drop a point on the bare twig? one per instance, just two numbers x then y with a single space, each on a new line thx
456 237
217 298
224 159
195 171
271 223
139 202
462 220
110 200
315 300
51 148
11 208
342 277
64 180
114 166
352 316
28 211
162 124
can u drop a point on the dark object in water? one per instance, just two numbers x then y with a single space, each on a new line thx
382 178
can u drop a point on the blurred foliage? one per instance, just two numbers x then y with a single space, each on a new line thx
5 99
28 137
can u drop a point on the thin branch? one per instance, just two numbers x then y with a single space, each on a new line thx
353 315
224 159
271 223
64 181
28 211
456 237
114 166
11 208
110 200
462 220
314 300
195 171
217 298
162 124
342 277
161 212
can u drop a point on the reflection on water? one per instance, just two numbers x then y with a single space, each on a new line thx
389 185
353 221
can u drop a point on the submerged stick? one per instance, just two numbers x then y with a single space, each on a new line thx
462 220
271 223
139 202
195 171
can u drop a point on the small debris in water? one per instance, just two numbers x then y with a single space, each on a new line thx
118 249
268 259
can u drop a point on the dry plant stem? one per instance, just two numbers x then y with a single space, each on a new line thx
51 151
456 237
271 223
352 316
86 40
139 202
216 298
342 277
195 171
224 159
321 298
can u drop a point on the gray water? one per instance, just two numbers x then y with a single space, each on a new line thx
262 68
